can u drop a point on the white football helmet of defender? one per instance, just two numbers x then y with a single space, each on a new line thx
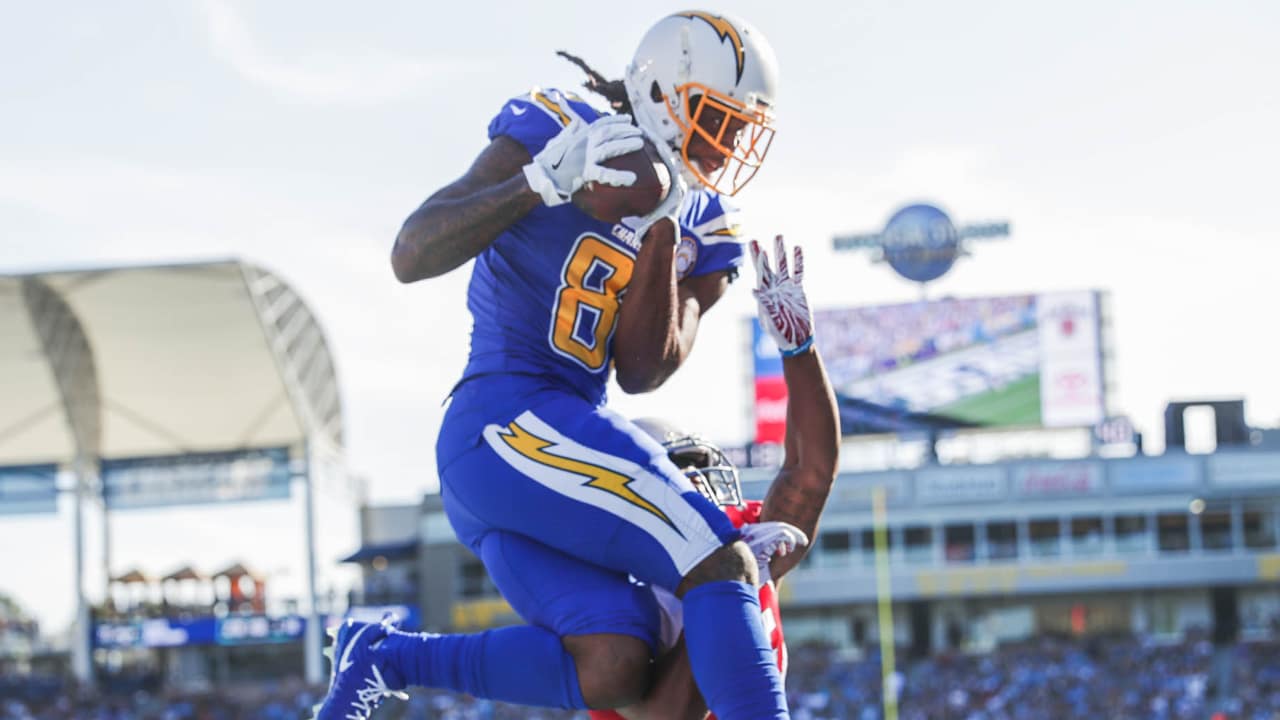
705 464
711 77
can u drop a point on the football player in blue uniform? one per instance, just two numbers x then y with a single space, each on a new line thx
561 498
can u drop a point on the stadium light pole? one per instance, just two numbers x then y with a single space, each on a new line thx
313 640
81 654
101 492
884 604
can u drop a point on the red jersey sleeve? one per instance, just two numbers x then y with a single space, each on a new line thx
745 515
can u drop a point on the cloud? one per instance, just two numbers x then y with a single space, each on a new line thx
336 77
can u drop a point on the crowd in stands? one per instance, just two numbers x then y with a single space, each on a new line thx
1119 678
859 342
44 699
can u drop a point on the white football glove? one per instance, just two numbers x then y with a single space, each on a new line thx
572 158
783 306
671 204
610 137
767 539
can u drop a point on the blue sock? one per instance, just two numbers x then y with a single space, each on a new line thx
729 652
522 664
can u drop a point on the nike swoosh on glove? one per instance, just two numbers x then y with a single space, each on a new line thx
610 137
573 157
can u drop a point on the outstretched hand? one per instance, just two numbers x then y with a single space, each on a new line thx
783 306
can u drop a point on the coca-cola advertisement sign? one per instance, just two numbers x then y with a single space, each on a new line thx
1057 478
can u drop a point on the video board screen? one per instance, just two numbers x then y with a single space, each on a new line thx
1006 361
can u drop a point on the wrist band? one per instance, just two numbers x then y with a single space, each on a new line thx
799 348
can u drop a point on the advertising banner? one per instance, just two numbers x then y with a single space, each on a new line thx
1070 359
230 630
259 629
1154 474
770 388
856 489
156 633
961 484
196 478
1250 469
1057 478
28 489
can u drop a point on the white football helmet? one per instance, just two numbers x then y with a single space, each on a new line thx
709 81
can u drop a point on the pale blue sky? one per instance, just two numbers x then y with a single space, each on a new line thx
1132 145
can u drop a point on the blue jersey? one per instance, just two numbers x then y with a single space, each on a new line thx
545 295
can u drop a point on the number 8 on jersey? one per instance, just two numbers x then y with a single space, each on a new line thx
586 309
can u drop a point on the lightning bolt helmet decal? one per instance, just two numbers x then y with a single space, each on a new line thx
725 30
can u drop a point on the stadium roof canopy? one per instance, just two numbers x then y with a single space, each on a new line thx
161 360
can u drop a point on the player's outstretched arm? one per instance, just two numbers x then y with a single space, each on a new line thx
812 441
659 317
464 217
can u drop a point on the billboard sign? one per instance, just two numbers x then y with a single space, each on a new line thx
920 242
770 389
259 629
857 489
1252 469
196 478
156 633
1070 359
974 483
1057 478
172 632
28 489
1002 361
1143 474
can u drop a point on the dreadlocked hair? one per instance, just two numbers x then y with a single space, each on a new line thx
614 91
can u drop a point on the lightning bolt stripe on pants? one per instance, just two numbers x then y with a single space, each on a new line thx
610 483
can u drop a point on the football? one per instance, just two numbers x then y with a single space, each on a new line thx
609 203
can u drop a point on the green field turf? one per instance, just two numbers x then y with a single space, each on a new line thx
1017 403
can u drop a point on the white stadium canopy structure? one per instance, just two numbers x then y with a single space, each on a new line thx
165 360
157 360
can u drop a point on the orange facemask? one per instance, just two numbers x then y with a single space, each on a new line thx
742 150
